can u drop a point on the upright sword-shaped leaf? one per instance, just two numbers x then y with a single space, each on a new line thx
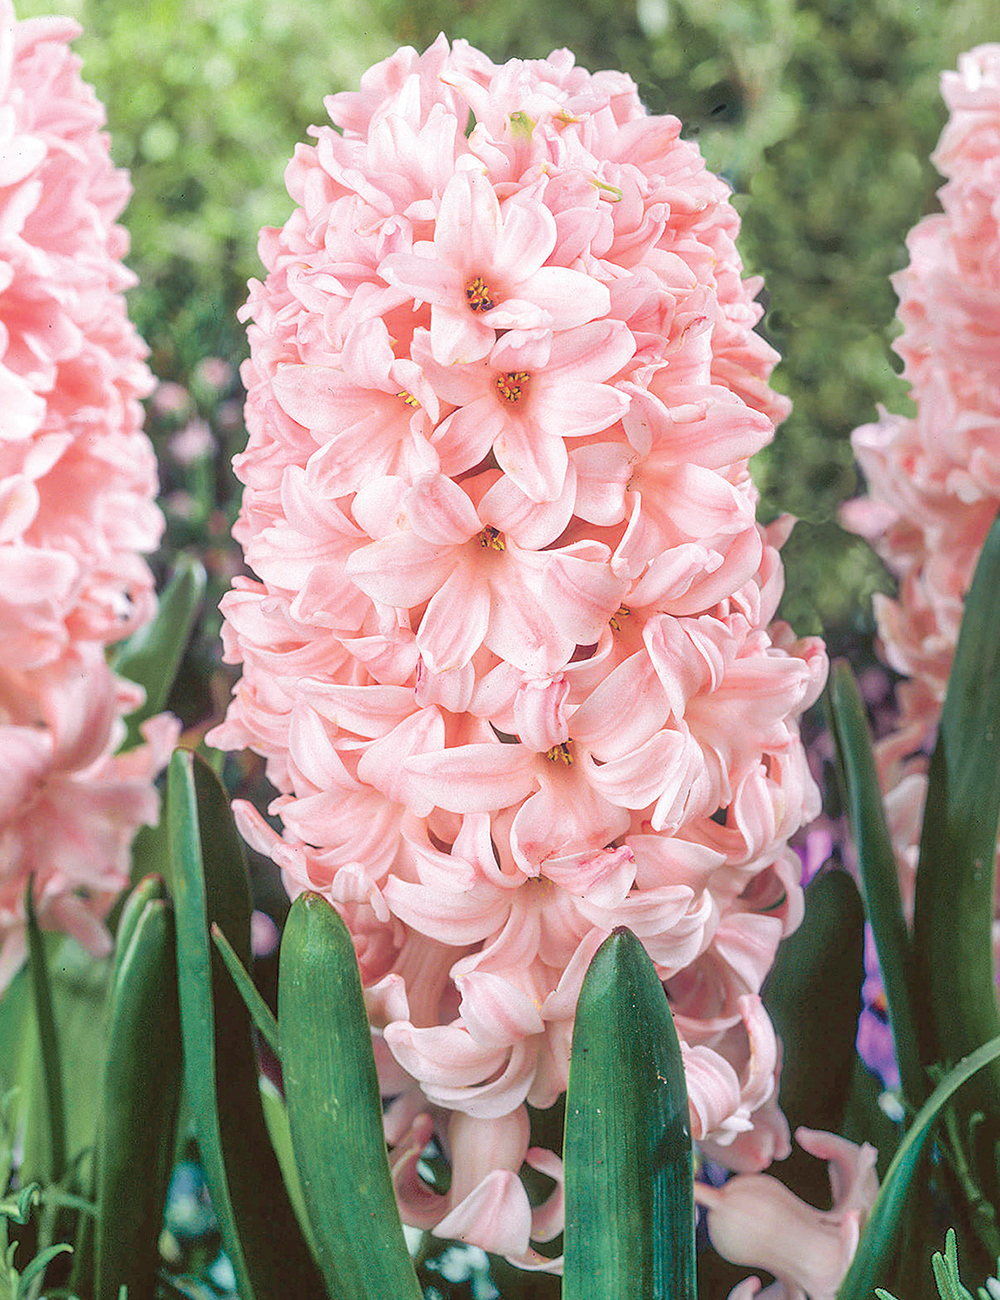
139 1110
335 1110
627 1152
953 911
209 884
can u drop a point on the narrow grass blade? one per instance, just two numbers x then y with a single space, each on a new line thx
627 1152
276 1117
879 873
48 1038
263 1016
152 656
953 915
209 883
880 1240
335 1110
139 1112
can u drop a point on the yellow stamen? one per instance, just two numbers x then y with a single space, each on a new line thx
511 385
605 188
408 398
560 754
622 612
493 538
522 124
478 296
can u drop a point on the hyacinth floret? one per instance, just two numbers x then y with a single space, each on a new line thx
77 501
508 651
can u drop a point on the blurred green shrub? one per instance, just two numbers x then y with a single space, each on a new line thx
821 113
206 100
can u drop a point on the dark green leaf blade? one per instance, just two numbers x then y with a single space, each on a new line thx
813 996
152 656
139 1111
335 1110
880 1240
261 1013
627 1152
953 912
209 883
879 872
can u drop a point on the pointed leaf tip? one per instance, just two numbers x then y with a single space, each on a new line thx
627 1152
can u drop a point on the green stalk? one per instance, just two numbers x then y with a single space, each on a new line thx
48 1037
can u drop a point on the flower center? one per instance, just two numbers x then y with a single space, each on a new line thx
493 538
622 612
408 398
477 295
511 385
560 754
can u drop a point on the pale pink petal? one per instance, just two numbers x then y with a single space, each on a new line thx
439 512
536 465
400 570
455 621
474 778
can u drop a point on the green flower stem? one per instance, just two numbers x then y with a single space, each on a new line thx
48 1038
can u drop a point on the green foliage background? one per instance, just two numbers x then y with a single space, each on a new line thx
820 113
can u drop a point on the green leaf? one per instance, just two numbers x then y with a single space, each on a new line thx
39 1264
953 911
945 1267
152 656
209 883
134 909
139 1114
18 1207
879 872
79 991
48 1038
276 1116
335 1110
879 1241
813 996
263 1016
627 1151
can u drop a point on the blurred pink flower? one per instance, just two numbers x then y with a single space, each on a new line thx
77 509
215 372
509 652
755 1220
934 479
192 443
